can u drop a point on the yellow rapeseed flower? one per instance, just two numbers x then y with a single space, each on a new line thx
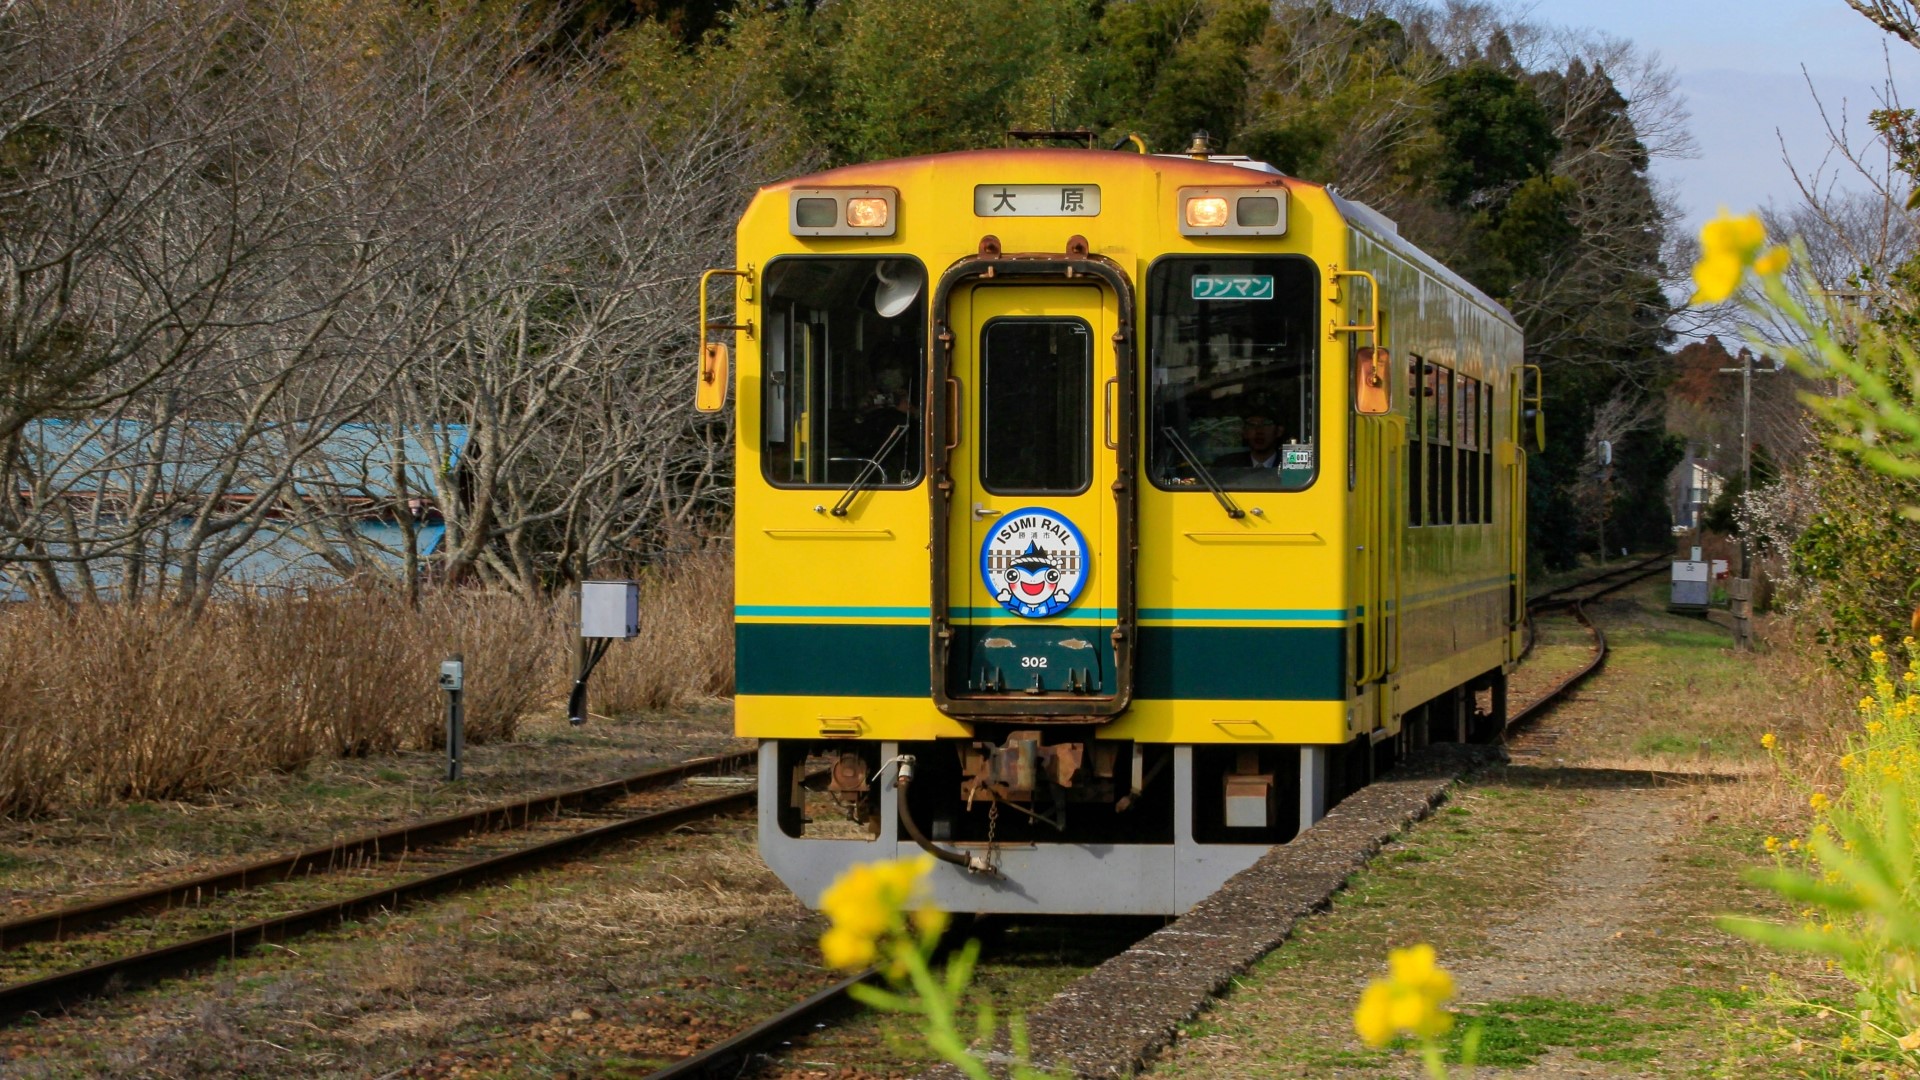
868 903
1769 740
1908 676
1771 261
1848 761
1875 727
1866 704
1411 1000
1876 641
1773 844
1819 800
1796 843
1878 656
1728 245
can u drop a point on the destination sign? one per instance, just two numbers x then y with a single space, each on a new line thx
1036 200
1233 286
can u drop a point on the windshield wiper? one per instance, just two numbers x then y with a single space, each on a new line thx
1226 501
866 471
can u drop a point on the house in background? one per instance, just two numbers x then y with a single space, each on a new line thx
114 498
1692 487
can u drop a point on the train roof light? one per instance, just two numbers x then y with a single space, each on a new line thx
1225 211
860 211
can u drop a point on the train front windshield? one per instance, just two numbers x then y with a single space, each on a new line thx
1233 384
843 367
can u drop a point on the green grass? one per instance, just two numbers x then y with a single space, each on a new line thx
1630 1029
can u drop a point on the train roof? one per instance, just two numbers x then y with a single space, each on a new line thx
1181 169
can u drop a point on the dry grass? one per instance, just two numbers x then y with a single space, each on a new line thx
106 703
684 653
1812 706
110 702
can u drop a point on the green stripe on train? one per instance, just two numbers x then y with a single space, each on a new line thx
1277 663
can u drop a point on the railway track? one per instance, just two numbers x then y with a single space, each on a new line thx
408 864
383 871
732 1057
1608 583
1613 578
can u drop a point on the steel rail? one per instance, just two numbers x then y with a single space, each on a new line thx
1593 665
54 925
54 992
730 1056
1636 571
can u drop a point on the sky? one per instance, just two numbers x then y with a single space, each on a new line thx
1740 70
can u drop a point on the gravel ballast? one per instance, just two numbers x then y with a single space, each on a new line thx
1112 1020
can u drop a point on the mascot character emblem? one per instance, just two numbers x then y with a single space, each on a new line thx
1033 564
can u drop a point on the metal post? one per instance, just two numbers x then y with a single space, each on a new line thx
1746 450
452 680
1740 590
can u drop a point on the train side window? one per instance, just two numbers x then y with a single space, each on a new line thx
1416 438
1486 454
842 371
1233 377
1456 472
1441 450
1470 453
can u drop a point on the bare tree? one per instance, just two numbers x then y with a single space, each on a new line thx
235 235
1625 412
1897 17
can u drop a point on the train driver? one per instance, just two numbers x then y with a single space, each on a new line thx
1261 433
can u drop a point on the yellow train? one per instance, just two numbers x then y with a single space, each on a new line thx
1103 518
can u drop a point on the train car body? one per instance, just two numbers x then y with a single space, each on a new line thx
1104 518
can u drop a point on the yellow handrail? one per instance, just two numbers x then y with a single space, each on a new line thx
1372 326
745 293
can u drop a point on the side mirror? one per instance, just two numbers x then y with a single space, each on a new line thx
1532 403
1370 397
711 394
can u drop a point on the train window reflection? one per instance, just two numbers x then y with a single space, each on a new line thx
842 383
1232 369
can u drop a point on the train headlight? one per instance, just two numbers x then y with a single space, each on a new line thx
1233 211
867 213
846 211
1206 212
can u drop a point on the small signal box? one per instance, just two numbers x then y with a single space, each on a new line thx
609 609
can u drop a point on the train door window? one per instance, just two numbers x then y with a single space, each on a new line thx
1233 380
1416 437
842 382
1036 393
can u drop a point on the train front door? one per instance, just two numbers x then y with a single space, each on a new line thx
1034 557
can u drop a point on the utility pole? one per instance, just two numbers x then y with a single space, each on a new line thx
1740 590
